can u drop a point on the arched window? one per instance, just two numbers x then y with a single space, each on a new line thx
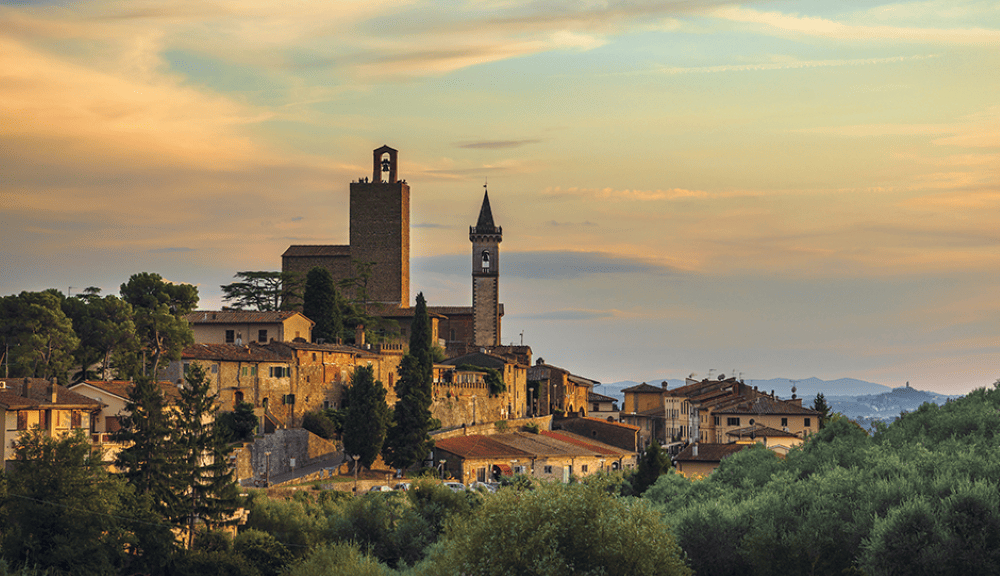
486 259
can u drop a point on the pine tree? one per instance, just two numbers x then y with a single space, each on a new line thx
408 440
653 463
367 416
148 460
321 304
204 477
820 405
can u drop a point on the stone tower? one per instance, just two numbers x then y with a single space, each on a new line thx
380 229
485 238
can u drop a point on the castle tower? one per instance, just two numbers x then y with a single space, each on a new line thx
485 238
380 229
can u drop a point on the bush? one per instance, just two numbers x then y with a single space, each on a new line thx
319 424
531 427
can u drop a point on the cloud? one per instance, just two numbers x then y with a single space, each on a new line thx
791 64
172 249
588 223
796 25
430 225
548 265
568 314
626 194
497 144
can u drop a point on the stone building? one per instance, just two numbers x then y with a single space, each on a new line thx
512 403
558 391
379 234
246 326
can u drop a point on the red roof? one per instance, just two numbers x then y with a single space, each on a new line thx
477 446
593 446
710 452
240 316
252 353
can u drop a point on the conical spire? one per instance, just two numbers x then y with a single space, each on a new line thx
485 223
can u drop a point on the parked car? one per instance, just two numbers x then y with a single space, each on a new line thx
455 486
381 488
488 486
402 486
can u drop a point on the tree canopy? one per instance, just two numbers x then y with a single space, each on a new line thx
262 290
367 416
37 336
321 303
159 308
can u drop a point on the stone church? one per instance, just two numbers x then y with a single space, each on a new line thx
380 234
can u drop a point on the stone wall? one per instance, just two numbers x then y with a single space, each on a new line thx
617 435
302 445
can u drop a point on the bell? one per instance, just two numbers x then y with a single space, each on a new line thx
385 165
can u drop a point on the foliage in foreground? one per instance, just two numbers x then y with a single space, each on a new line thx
919 497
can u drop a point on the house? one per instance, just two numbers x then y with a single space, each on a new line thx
549 455
113 395
512 403
700 459
29 402
644 407
242 327
779 441
602 406
558 391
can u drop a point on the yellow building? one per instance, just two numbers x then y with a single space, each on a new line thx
242 327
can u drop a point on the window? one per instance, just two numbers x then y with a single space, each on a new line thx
597 408
481 474
279 371
262 336
215 368
718 420
22 420
75 419
584 467
732 421
187 368
230 336
784 422
808 422
452 334
486 259
288 399
314 356
548 469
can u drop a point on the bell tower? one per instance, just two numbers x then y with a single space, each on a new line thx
380 229
485 238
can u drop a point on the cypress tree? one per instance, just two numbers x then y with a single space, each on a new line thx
321 304
208 490
408 440
367 416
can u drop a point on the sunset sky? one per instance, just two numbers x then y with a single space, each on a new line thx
784 189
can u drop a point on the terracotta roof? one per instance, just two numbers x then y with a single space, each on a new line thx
605 422
295 345
761 431
643 388
252 353
300 250
541 445
478 446
240 317
39 396
710 452
595 397
766 405
583 442
480 359
122 388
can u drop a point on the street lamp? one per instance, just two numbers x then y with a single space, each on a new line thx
441 466
267 473
356 458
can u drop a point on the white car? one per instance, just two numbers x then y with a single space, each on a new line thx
380 489
455 486
489 487
402 486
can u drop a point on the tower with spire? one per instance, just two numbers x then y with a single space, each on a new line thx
485 237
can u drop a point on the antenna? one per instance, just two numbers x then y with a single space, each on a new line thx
69 293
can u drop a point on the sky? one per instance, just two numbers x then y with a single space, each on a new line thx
765 189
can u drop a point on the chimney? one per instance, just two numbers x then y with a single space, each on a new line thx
694 450
664 385
53 390
26 389
359 336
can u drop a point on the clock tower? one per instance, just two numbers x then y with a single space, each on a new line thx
485 238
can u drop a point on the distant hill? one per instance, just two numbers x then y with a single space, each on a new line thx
864 402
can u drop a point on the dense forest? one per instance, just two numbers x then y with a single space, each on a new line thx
919 496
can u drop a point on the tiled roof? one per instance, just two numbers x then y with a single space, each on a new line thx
478 446
252 353
481 359
38 395
620 424
761 431
451 310
766 405
239 317
595 397
541 445
122 388
643 388
313 250
296 345
593 446
710 452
